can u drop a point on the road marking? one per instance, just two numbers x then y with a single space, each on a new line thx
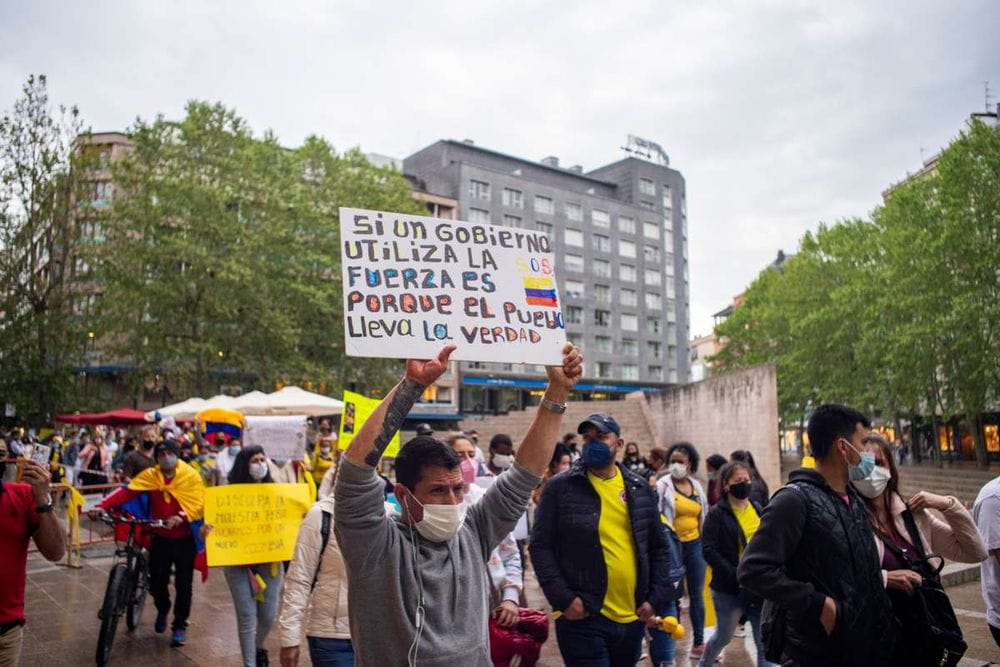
971 614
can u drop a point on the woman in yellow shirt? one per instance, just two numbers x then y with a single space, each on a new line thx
728 527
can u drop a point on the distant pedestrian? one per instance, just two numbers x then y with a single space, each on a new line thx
634 462
713 464
759 492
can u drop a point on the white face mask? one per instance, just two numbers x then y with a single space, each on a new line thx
440 522
258 470
503 461
678 470
873 485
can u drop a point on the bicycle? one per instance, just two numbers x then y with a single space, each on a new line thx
128 585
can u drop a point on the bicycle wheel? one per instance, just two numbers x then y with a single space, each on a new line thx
140 588
111 611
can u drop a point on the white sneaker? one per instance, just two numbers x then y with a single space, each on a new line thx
741 631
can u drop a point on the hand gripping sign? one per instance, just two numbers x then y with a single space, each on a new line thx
413 284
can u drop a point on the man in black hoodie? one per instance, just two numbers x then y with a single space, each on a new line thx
813 558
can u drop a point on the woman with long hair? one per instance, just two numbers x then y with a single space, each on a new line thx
759 492
256 589
903 530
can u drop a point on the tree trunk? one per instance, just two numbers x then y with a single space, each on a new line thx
976 427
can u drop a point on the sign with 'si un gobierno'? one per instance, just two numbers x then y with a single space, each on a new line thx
413 284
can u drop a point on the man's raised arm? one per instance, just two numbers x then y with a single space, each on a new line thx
536 449
370 442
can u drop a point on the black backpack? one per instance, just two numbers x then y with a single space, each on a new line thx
324 533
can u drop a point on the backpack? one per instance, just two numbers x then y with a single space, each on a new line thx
675 574
324 534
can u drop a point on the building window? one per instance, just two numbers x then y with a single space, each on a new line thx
544 227
655 372
652 277
668 201
600 219
626 224
574 315
511 220
603 369
603 344
668 234
573 237
602 293
647 205
627 273
574 289
629 322
628 297
101 194
651 230
653 326
653 301
574 262
647 187
479 215
575 338
630 372
671 332
479 190
602 318
651 253
654 348
602 268
602 243
671 287
629 347
513 198
626 248
544 205
574 212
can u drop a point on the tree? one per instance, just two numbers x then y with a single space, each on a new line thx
222 260
40 174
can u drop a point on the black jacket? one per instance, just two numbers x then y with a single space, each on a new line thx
566 545
811 545
721 541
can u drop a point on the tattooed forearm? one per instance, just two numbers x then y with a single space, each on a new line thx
403 398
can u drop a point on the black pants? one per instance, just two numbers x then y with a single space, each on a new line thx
163 554
996 634
599 642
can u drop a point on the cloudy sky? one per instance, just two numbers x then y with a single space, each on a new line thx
779 113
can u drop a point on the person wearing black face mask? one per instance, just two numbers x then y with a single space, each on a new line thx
729 525
139 459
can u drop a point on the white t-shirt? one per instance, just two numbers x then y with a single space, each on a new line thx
986 512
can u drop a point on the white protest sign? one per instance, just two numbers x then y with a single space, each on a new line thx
281 437
413 284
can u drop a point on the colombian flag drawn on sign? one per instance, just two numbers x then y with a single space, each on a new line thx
540 292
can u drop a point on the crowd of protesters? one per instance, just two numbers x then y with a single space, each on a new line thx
835 568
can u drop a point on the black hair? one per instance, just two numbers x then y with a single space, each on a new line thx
169 446
240 472
568 438
561 450
716 461
744 456
422 452
829 422
500 439
728 471
688 449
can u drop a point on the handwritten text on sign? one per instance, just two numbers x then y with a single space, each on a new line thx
425 282
281 437
253 523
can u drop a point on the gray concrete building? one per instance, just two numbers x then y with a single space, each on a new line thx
619 235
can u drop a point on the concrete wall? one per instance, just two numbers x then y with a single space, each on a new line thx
733 411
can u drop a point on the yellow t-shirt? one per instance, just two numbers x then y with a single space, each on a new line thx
748 520
615 531
687 517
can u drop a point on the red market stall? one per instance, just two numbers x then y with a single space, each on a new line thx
120 417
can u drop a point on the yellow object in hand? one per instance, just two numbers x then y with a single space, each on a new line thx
671 625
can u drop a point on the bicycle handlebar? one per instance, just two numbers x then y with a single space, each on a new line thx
112 519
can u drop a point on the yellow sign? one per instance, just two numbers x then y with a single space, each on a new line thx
253 523
357 409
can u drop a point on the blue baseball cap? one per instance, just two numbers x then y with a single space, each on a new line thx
604 423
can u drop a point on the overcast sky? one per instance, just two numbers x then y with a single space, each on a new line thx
779 114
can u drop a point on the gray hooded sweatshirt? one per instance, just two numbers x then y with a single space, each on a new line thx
388 562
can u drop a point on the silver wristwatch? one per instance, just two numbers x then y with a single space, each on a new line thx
552 406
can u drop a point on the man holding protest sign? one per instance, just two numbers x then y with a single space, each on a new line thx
417 584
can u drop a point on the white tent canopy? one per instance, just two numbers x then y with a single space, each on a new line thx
287 401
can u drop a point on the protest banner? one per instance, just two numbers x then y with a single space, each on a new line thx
253 523
357 409
281 437
413 284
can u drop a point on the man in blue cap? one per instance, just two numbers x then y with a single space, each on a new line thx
600 552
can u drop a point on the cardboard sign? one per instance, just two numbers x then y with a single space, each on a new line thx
253 523
414 284
357 409
281 437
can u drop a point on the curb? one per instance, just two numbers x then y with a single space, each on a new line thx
956 574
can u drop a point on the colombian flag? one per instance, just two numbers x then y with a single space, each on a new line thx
540 292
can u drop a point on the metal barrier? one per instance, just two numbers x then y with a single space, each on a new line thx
81 530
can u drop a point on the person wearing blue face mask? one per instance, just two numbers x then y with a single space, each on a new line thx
600 552
813 557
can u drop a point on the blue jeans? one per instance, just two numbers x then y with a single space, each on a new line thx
328 652
661 644
728 610
254 618
596 641
694 582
